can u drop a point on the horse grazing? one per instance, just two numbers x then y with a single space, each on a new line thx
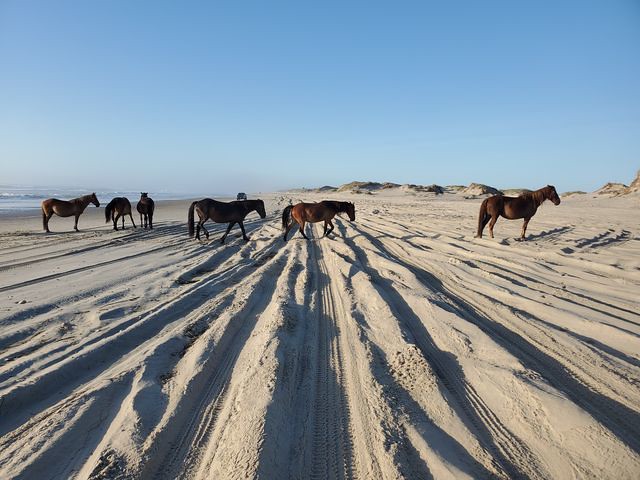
512 208
222 212
315 212
145 208
66 208
116 208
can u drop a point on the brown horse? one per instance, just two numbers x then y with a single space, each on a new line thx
512 208
145 208
222 212
66 208
116 208
315 212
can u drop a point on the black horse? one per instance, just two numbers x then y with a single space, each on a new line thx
145 208
222 212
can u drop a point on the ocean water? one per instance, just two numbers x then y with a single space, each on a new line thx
14 197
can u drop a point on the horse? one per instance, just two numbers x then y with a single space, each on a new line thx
145 208
512 208
315 212
116 208
222 212
66 208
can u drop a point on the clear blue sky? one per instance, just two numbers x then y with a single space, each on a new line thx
207 96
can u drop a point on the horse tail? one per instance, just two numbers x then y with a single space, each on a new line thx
190 219
481 217
108 210
286 216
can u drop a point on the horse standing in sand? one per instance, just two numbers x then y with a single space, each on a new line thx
324 211
512 208
116 208
66 208
222 212
145 208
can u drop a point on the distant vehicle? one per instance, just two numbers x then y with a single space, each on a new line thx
241 196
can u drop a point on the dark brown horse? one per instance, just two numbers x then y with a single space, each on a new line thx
66 208
315 212
145 208
512 208
116 208
222 212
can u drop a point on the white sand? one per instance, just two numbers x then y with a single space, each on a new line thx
401 348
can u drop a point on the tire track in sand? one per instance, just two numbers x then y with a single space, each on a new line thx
332 445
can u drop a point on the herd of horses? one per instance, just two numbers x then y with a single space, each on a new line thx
522 207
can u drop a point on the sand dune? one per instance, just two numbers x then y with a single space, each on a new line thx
400 348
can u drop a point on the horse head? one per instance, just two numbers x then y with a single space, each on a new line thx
350 209
94 199
260 208
143 194
551 194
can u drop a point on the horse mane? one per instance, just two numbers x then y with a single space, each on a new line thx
340 207
344 206
537 196
85 197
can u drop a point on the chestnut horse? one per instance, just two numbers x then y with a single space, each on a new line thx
116 208
512 208
145 208
222 212
315 212
66 208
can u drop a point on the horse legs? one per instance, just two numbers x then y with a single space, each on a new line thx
115 222
485 220
150 221
201 226
231 224
494 219
326 225
302 229
75 226
286 232
330 228
131 217
244 235
524 228
123 221
47 217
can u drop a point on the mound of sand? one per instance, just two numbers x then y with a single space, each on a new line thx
514 192
366 186
326 188
480 189
635 185
614 189
410 187
574 192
